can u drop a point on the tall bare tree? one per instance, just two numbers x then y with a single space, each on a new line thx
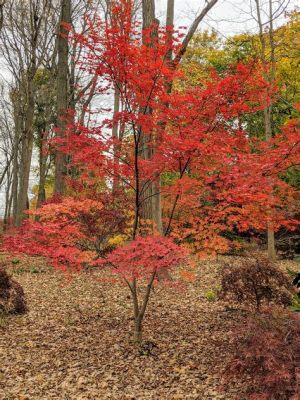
24 43
267 58
71 82
62 89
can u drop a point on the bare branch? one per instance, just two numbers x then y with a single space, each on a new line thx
192 30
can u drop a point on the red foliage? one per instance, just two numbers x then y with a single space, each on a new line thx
267 358
145 256
218 181
69 232
215 178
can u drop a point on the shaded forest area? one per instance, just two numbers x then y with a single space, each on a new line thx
150 239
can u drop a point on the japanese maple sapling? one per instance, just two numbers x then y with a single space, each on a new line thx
143 259
187 139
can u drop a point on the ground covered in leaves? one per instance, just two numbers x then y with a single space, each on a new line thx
74 343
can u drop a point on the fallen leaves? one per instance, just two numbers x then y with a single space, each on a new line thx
74 342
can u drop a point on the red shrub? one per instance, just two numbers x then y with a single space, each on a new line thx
267 357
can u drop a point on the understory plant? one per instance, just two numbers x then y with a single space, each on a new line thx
254 281
12 299
266 356
145 258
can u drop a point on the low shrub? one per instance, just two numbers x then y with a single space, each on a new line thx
12 299
267 356
254 280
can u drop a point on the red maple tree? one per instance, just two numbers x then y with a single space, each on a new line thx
214 177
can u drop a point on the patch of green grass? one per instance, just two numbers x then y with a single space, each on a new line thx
20 270
211 295
295 304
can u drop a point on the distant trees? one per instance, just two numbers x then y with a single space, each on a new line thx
25 42
55 92
43 83
272 48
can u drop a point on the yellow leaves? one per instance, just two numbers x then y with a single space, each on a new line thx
117 240
35 191
203 53
121 239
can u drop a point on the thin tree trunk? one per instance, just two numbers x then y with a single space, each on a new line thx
62 92
42 173
115 136
138 332
26 152
269 76
269 132
140 309
146 141
156 185
16 145
2 3
7 200
9 211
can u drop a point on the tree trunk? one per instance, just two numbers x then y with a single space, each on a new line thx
42 173
269 76
156 185
115 136
138 331
7 200
2 3
15 172
148 13
26 152
150 209
62 92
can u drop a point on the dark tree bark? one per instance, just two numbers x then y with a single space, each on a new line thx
26 150
62 91
2 3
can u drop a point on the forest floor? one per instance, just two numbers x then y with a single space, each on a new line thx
74 341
